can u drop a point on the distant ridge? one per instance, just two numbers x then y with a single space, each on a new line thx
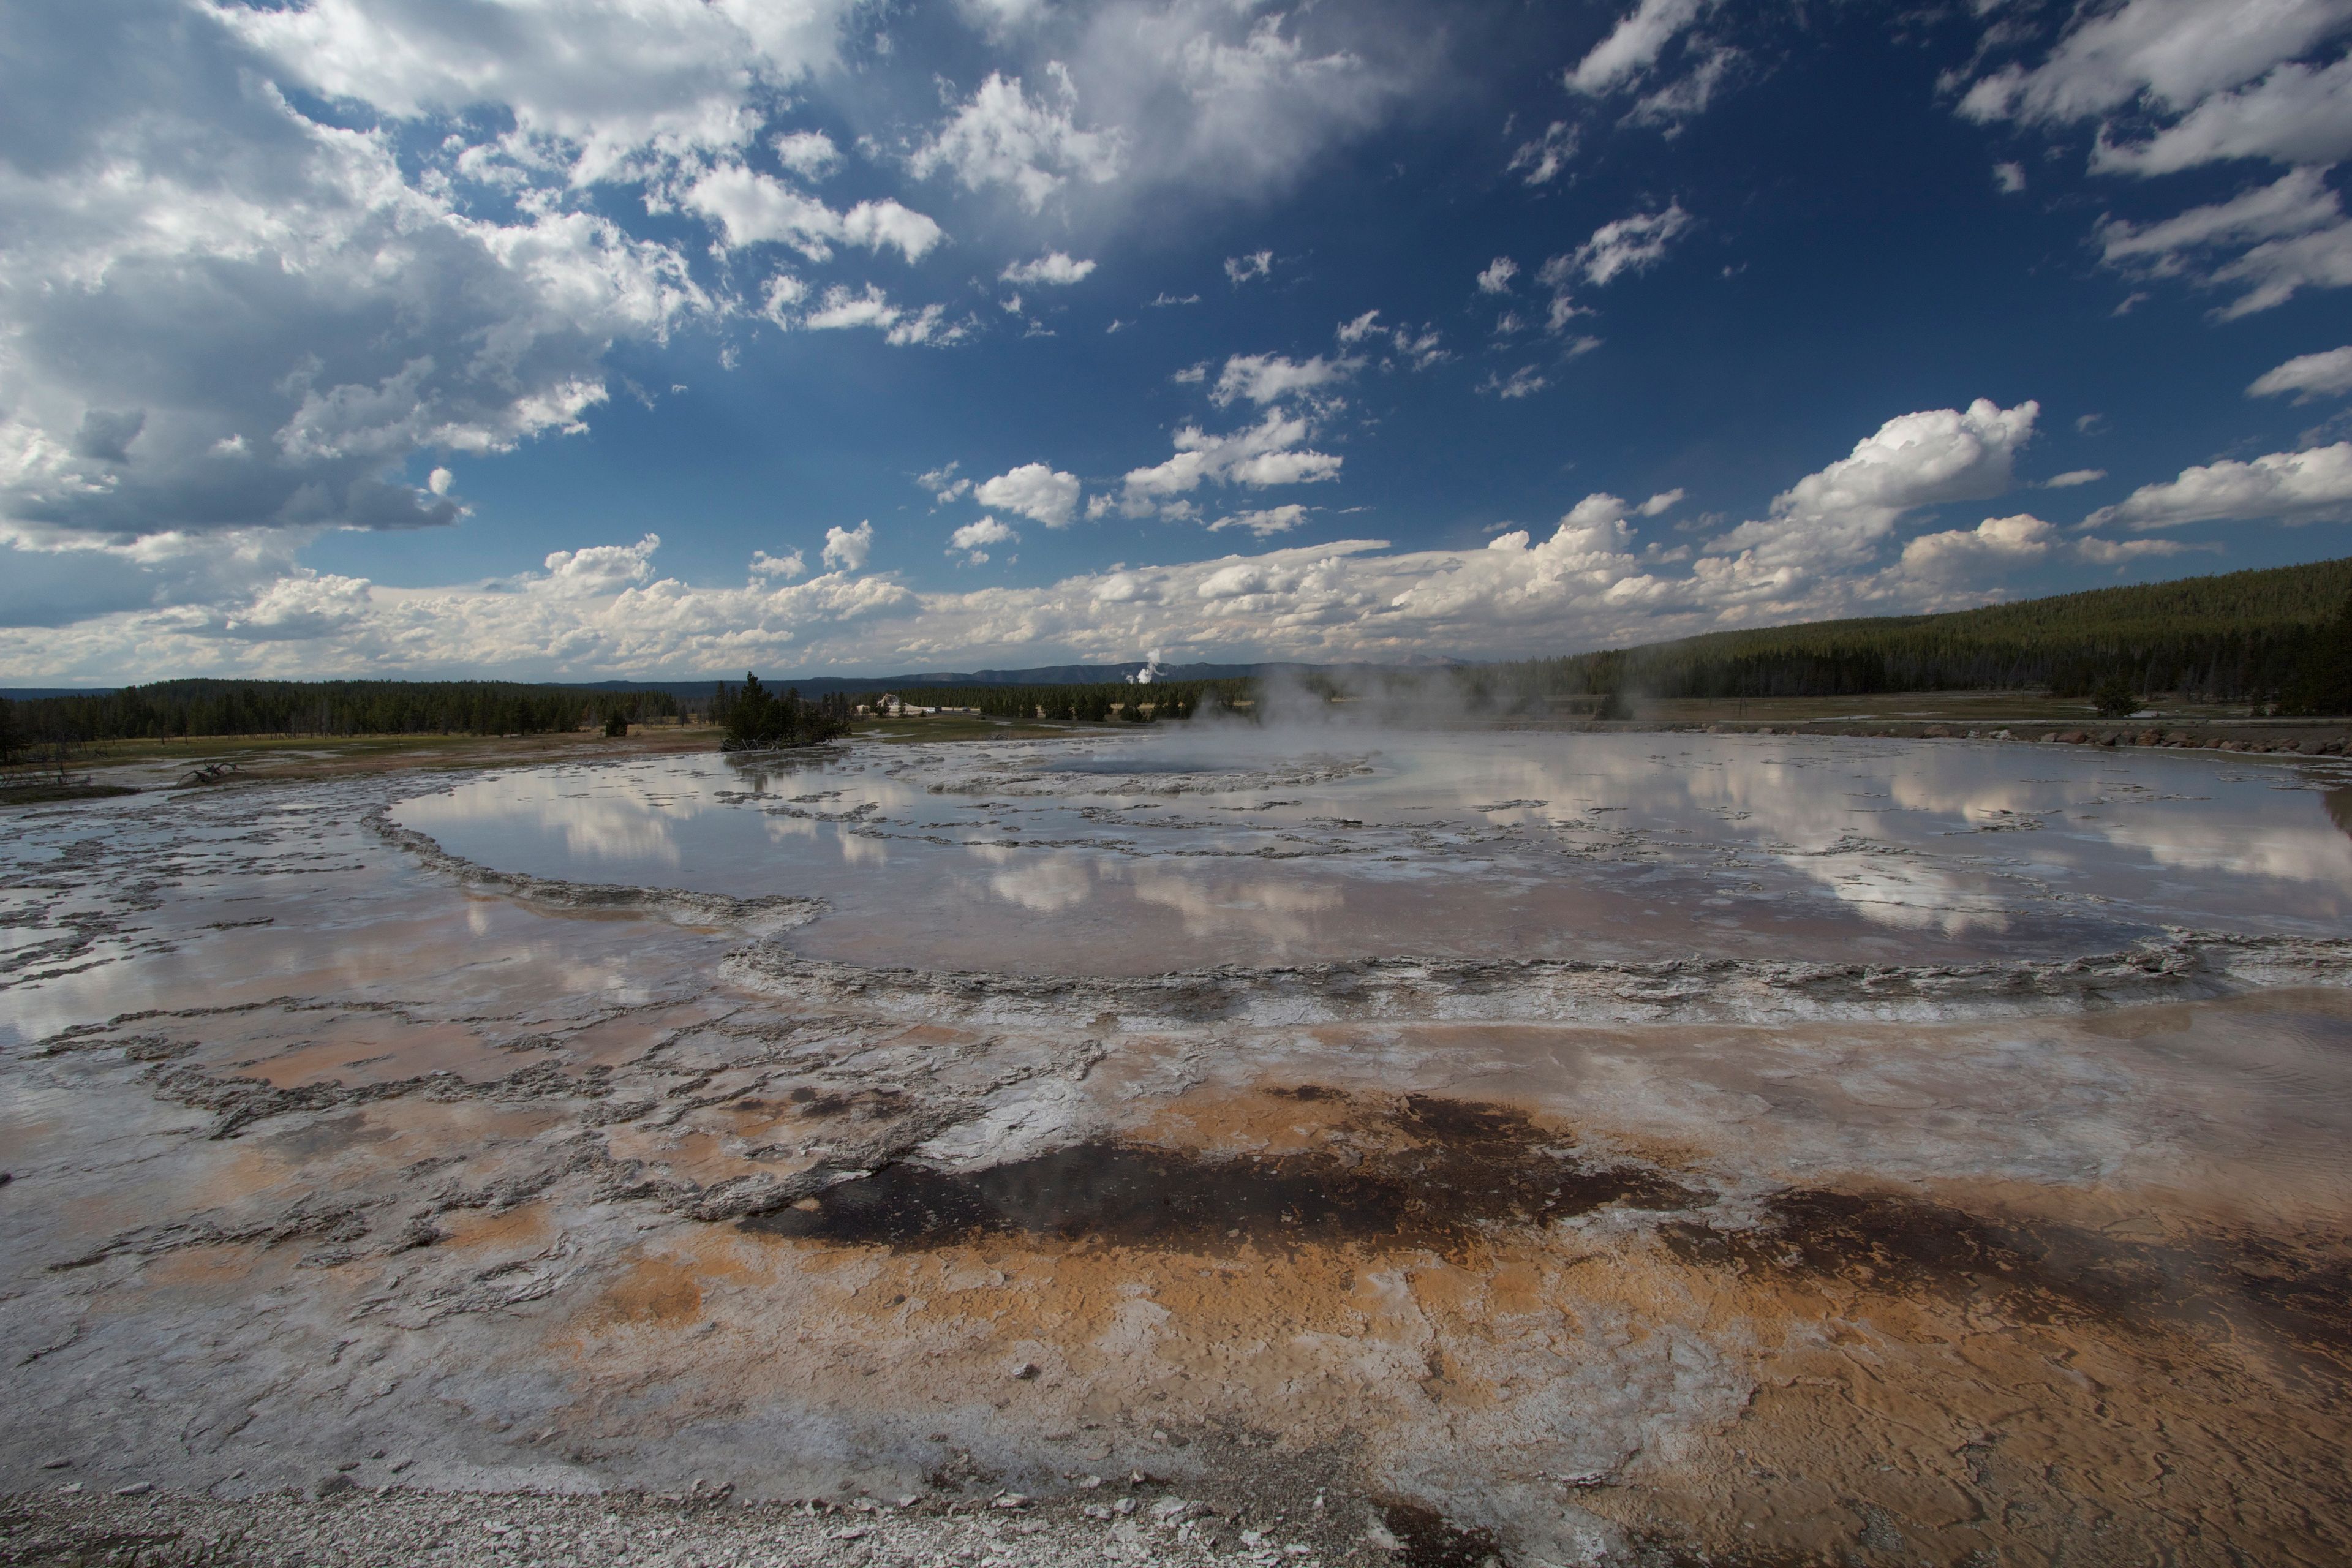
2230 636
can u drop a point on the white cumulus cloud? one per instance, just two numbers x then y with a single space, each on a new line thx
972 539
842 307
1002 136
2290 486
1271 452
1268 378
1035 491
752 208
1839 514
601 568
808 154
846 549
1053 268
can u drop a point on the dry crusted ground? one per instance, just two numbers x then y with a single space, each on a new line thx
541 1229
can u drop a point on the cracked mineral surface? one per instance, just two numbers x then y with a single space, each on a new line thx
1563 1149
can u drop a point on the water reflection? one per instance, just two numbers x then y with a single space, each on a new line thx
1167 849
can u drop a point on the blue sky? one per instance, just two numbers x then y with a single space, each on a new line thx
578 338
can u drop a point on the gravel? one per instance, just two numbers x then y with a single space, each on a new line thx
707 1530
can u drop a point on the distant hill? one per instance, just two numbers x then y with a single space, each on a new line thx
171 708
2240 636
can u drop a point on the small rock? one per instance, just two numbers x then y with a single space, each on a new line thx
347 1467
1022 1371
136 1488
1088 1483
909 1500
852 1532
70 1488
56 1463
1123 1507
326 1487
1097 1510
1011 1499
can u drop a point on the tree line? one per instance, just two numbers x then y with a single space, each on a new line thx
173 710
759 719
2281 636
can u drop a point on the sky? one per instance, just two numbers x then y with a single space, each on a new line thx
655 339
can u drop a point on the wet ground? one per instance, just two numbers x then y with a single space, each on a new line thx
334 1151
1176 848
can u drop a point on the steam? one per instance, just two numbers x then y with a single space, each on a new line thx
1364 699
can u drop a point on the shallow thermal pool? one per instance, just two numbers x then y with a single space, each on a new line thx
1179 849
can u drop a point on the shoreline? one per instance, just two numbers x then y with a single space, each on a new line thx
159 766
